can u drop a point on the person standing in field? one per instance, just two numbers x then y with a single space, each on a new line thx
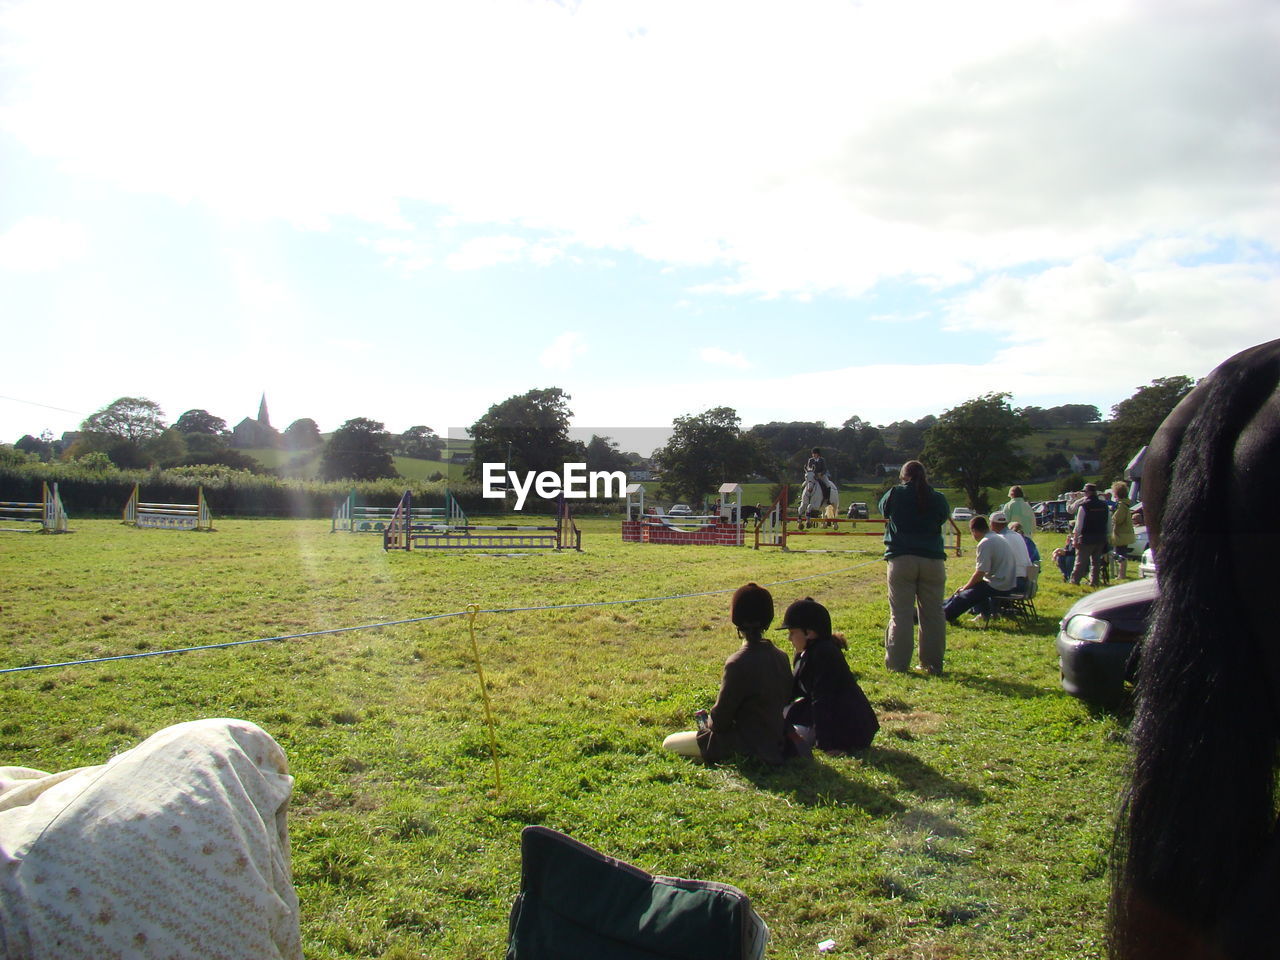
747 718
914 513
1122 533
1018 510
1090 536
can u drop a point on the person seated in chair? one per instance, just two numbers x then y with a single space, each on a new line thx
1021 555
1032 550
994 573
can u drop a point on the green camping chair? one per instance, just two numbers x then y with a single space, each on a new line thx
576 903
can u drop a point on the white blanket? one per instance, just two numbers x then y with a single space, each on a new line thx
175 849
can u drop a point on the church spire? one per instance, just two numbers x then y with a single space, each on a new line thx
263 418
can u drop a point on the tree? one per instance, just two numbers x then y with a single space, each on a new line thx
905 438
972 446
1066 415
360 449
1075 414
166 450
705 451
121 430
224 456
527 432
420 442
784 447
41 447
603 454
203 423
302 434
134 419
1133 421
861 445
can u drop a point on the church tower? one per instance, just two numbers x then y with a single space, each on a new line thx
263 418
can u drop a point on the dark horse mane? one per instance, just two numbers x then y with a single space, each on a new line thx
1196 858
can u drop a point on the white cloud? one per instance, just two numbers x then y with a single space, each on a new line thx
720 357
36 244
486 252
1118 323
1007 133
403 253
563 351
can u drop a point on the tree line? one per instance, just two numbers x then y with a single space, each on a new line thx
971 446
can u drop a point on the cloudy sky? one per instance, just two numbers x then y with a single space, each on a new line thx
411 211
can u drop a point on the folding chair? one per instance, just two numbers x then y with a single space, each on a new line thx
1020 607
576 903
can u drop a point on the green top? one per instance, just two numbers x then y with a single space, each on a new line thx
910 530
1018 509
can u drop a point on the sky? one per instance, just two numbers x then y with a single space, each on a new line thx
412 211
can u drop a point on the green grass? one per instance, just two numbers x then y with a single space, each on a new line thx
976 826
410 468
413 469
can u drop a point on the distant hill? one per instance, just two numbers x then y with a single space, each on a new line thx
410 468
1085 441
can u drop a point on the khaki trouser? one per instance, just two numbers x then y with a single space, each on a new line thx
1091 557
916 585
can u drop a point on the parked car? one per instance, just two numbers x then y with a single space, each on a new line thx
1147 568
961 514
1099 641
680 510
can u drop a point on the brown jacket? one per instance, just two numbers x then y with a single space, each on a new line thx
747 716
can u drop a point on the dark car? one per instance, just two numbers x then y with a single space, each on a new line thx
1098 641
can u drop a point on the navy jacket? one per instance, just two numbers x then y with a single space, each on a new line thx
828 698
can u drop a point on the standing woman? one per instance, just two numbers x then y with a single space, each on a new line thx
747 716
1019 511
914 513
829 709
1122 533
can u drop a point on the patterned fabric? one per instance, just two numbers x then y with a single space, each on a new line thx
175 849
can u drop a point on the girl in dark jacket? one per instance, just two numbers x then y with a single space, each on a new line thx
828 709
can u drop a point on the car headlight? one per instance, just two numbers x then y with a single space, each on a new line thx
1092 629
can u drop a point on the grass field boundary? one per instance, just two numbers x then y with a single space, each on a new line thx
470 611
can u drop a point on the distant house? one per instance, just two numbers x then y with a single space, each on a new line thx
889 467
255 434
639 474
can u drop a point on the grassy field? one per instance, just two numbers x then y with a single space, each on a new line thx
976 826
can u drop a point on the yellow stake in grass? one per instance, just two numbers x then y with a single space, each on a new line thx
472 610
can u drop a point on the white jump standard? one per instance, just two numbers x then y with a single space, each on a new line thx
37 516
168 516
